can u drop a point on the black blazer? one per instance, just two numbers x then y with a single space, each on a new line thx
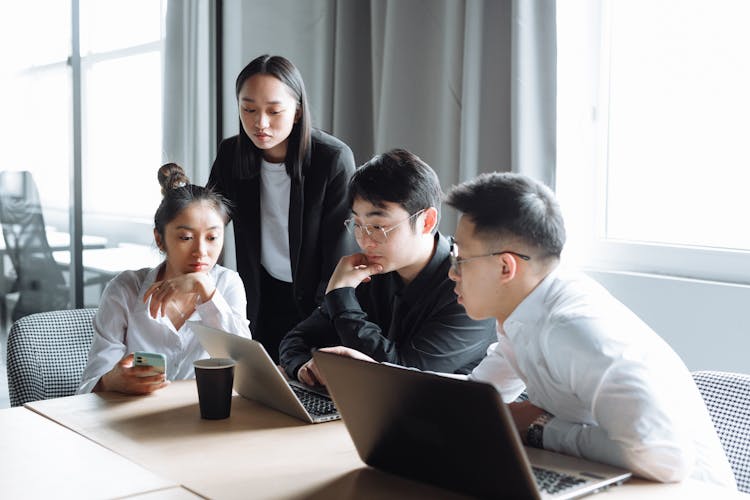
318 206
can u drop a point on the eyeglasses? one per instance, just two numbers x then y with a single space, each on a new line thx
379 234
456 261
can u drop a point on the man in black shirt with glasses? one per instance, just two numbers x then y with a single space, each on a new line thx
393 301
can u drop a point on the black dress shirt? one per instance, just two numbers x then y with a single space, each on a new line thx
419 325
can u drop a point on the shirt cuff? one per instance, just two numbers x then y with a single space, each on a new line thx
554 433
341 300
214 309
88 385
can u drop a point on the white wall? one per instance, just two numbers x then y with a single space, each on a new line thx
707 323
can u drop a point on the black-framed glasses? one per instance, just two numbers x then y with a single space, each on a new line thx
378 234
456 261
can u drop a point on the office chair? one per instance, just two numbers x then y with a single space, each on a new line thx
727 397
47 353
39 281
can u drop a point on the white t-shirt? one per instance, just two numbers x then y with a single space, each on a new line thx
275 186
618 392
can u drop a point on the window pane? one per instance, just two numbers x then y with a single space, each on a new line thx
121 79
35 140
678 164
34 33
115 24
123 139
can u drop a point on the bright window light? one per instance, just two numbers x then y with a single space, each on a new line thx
678 164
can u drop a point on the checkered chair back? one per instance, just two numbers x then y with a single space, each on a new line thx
47 353
727 396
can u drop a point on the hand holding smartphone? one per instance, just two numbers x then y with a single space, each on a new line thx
157 361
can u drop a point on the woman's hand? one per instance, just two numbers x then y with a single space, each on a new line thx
129 379
162 292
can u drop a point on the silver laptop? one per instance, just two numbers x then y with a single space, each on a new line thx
256 377
453 433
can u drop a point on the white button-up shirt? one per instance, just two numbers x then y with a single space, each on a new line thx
619 393
123 324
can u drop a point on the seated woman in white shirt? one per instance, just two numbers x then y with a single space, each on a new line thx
151 309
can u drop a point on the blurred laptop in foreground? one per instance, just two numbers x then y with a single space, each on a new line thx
452 433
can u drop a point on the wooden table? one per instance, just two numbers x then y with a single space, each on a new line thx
256 453
42 459
261 453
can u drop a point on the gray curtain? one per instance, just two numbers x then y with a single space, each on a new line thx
533 95
467 85
189 87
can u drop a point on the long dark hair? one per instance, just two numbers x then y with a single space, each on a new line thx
298 147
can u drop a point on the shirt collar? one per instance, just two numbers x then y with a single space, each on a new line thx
426 276
531 309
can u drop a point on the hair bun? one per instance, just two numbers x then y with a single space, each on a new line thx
171 176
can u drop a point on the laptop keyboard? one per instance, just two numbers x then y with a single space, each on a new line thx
552 482
314 403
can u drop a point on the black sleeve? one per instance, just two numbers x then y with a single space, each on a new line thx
333 236
354 328
314 332
447 340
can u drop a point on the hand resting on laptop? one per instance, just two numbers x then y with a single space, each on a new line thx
309 374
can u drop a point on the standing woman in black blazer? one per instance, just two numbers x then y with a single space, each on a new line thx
288 185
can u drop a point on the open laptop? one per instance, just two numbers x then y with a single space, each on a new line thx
256 377
453 433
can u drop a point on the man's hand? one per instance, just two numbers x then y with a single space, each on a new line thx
309 374
129 379
524 413
351 271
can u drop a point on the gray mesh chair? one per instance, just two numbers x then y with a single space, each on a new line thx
727 396
47 353
40 282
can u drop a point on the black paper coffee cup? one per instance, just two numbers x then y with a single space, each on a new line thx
214 378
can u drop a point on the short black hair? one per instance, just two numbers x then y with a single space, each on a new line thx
507 205
397 176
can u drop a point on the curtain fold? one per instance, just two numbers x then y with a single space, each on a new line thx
533 97
468 85
189 110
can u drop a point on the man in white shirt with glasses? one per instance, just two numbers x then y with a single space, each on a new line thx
393 301
600 383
